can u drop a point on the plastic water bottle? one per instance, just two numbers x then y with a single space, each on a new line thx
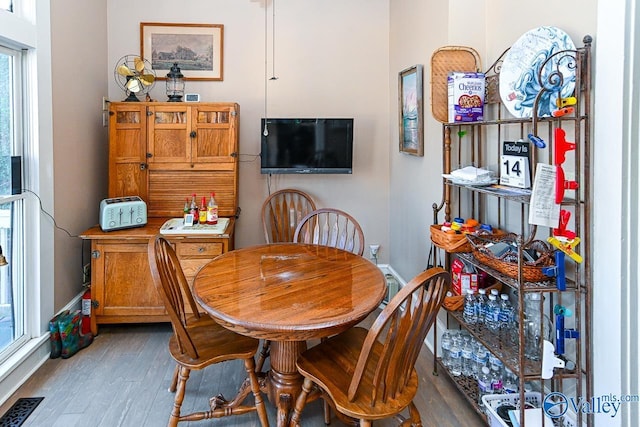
495 364
445 343
469 313
456 358
506 318
467 358
484 384
481 305
480 357
492 321
510 383
496 380
533 331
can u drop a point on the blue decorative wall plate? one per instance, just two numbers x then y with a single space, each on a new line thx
526 72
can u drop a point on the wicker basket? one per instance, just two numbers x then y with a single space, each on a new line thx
443 61
507 264
454 243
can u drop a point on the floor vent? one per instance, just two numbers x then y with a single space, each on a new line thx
392 287
20 411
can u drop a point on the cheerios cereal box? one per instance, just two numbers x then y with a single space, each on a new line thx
466 97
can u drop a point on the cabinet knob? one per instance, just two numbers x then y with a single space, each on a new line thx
95 254
143 166
200 249
192 134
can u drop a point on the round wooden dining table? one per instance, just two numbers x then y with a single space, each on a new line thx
288 293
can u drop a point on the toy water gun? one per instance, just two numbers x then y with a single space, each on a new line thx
539 142
563 333
565 240
564 102
560 149
561 146
567 247
563 111
557 271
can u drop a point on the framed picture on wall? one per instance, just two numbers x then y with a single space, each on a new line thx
410 111
196 48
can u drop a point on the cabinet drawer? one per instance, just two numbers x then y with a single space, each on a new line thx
190 267
199 249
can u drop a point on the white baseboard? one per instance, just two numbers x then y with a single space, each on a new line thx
19 367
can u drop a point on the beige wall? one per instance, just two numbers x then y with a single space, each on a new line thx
331 59
417 28
78 43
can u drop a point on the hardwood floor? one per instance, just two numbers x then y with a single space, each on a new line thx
121 379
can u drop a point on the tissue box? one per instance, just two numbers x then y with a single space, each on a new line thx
466 97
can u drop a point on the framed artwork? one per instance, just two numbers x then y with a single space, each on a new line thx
197 48
410 111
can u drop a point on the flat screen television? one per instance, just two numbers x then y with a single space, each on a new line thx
306 146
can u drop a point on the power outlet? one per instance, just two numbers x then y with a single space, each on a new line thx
374 250
105 103
86 274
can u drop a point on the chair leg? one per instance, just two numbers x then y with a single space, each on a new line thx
325 404
250 367
177 402
264 353
414 415
327 412
174 379
300 402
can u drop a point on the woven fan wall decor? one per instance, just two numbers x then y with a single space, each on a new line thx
443 61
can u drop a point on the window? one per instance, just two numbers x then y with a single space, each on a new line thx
27 282
6 5
12 283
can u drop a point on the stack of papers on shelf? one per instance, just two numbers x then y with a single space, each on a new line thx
471 175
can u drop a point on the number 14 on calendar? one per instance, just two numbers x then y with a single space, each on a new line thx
514 169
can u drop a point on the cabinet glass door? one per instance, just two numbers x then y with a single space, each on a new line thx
169 128
214 140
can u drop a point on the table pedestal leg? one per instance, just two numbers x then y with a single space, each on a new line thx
285 383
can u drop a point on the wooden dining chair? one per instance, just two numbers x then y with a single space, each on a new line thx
281 213
331 227
198 341
370 375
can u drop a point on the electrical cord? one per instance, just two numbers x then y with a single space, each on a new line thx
55 224
254 157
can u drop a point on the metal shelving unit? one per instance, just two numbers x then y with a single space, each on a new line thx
478 144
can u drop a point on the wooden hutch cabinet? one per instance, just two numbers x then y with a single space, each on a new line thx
163 152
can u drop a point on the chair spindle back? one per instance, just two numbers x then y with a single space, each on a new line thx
401 327
282 212
174 290
331 227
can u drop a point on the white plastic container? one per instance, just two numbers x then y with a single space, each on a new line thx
493 401
534 400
